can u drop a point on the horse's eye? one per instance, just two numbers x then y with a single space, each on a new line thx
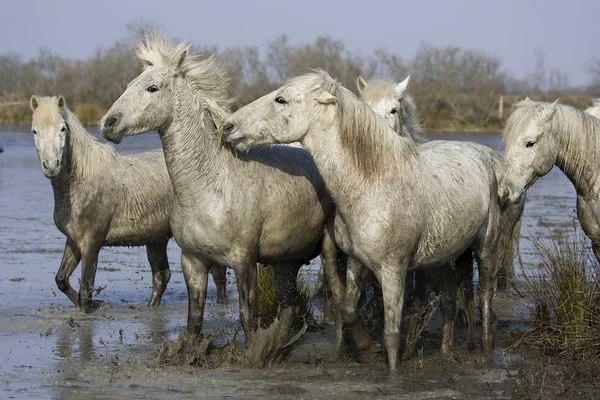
394 111
280 100
63 129
34 132
530 144
152 89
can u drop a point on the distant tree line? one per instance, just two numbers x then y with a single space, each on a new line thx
455 88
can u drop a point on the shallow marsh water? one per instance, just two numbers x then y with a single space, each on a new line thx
49 350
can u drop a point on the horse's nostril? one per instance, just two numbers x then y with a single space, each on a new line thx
44 165
57 162
228 127
113 120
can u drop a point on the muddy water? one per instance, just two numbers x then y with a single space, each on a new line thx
49 350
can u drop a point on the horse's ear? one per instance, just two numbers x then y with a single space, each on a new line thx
181 59
527 98
61 103
34 103
326 98
401 87
548 112
361 84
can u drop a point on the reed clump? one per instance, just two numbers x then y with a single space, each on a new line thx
565 297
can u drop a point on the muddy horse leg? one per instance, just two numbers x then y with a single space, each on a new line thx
246 276
446 286
70 259
487 262
356 276
329 262
219 275
195 273
159 263
392 278
466 294
89 265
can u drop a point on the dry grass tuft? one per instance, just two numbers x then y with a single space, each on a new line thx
565 297
268 308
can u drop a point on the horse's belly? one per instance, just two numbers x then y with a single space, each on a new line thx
441 247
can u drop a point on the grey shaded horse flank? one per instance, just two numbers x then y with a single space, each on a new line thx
230 210
446 207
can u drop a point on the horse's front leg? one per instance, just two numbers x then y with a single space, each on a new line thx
195 273
246 275
392 278
161 274
487 262
89 265
70 259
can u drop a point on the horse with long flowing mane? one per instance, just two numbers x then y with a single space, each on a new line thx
98 202
268 206
540 135
448 203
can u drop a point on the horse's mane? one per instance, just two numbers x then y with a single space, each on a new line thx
575 129
89 156
377 90
371 143
208 78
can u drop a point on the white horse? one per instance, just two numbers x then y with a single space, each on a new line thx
269 206
539 136
393 102
98 202
397 207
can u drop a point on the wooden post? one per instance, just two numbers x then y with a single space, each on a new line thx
500 107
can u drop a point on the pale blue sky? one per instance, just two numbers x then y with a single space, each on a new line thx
567 31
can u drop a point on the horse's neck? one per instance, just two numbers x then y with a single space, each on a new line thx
194 155
345 181
578 158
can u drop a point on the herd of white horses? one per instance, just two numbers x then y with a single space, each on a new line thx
233 192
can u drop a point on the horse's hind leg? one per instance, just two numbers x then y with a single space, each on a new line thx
219 274
70 259
466 295
157 257
446 287
331 271
356 277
